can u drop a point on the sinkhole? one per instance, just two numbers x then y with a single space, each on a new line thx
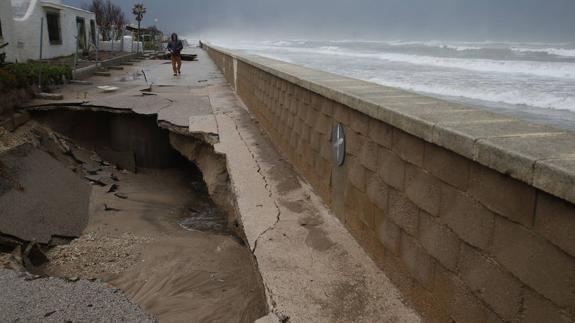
162 223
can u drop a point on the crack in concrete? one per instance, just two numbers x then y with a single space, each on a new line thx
267 185
280 316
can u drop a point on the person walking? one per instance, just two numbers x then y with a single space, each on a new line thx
175 47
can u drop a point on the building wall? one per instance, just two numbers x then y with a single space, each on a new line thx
7 30
28 31
126 45
461 239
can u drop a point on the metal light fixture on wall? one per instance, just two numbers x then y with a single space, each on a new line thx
338 144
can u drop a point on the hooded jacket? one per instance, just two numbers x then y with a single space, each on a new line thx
175 47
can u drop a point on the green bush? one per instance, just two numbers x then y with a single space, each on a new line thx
21 75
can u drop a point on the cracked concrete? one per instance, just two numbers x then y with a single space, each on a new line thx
257 209
312 268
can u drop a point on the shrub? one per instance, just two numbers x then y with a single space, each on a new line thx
21 75
7 80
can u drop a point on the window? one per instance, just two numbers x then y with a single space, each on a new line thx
93 31
54 31
81 25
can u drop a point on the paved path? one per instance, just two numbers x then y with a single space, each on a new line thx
312 268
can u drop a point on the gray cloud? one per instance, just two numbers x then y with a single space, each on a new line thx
521 20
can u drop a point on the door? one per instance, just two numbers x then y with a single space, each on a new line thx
82 41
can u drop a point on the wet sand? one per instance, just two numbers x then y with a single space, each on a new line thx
157 236
136 244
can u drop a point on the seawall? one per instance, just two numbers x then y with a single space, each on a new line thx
470 213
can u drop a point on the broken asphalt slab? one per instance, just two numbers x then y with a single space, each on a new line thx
40 198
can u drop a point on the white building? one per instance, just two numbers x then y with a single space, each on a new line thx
20 24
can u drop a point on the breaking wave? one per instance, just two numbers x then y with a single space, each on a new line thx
517 74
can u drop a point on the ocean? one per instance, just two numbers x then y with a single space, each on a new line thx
533 81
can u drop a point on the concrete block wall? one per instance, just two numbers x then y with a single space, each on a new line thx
463 240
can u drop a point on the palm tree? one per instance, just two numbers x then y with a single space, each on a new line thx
139 10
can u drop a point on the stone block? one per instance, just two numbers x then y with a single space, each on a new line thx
391 168
367 214
502 194
354 142
342 113
439 241
535 261
447 166
374 247
290 121
443 295
311 117
464 306
359 122
323 124
377 191
292 104
322 169
356 173
353 197
301 111
308 155
306 96
298 126
294 139
327 107
403 212
305 132
537 310
471 221
389 234
408 147
354 223
325 149
555 220
423 189
417 261
369 155
380 132
490 282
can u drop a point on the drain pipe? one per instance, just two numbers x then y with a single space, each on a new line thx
97 45
76 56
40 59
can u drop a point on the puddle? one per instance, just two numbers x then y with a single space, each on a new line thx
209 220
132 77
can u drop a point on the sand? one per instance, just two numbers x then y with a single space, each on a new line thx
176 274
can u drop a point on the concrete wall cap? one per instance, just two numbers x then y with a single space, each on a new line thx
538 155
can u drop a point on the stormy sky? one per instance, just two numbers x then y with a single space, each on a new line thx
465 20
